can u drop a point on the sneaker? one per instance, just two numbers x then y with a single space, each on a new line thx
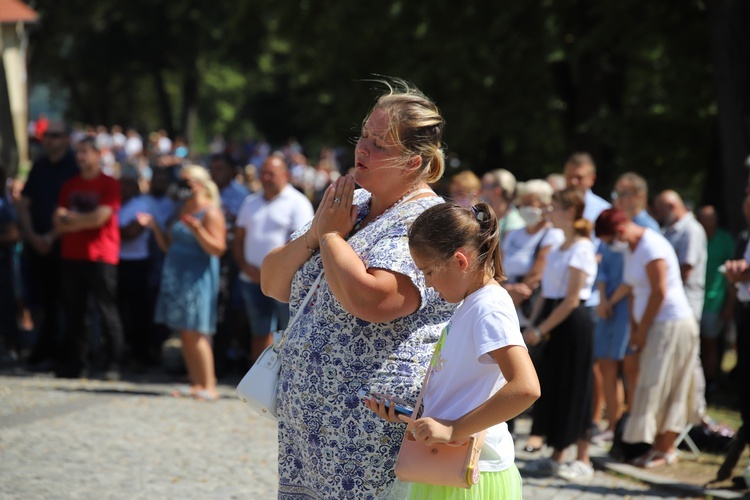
603 437
575 471
545 467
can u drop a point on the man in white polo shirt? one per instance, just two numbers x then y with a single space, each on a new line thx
265 221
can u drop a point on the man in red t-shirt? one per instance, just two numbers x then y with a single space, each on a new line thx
87 220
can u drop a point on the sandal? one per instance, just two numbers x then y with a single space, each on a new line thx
661 459
182 391
644 459
654 459
205 396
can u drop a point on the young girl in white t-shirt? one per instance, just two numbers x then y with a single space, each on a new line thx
482 374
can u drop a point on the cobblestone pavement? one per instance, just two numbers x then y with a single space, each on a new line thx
92 439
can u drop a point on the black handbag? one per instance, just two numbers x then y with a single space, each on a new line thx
528 305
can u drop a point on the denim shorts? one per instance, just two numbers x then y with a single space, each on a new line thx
266 315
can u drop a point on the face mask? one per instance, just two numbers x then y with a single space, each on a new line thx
184 191
530 215
619 246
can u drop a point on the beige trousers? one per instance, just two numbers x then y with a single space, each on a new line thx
663 396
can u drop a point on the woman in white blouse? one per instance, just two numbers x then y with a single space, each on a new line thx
563 414
525 250
664 334
525 253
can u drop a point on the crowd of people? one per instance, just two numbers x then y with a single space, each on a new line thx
109 249
626 307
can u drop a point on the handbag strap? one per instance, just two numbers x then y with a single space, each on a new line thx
433 362
300 309
538 246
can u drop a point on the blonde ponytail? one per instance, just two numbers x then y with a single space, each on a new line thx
200 175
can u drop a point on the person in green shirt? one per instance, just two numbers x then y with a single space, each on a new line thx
713 320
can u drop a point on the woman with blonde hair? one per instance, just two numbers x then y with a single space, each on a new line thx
371 321
190 278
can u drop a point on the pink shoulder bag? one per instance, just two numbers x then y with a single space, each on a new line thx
452 464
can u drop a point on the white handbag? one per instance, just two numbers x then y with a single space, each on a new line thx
259 385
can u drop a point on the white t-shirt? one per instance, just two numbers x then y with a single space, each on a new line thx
466 376
519 246
581 255
137 248
269 224
133 146
653 246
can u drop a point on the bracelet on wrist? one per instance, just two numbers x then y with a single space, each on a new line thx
325 237
307 245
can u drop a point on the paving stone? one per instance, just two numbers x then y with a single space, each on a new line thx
89 439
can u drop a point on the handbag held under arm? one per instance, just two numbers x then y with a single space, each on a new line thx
259 386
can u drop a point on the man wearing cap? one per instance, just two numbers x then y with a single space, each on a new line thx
41 250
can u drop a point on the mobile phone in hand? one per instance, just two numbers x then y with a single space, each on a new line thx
402 407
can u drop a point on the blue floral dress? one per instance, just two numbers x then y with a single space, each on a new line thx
189 289
330 444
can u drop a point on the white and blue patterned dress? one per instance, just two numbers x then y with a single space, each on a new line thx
330 444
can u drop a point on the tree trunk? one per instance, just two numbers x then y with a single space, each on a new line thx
189 102
165 107
730 52
8 146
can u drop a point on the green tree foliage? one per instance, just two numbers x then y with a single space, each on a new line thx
521 84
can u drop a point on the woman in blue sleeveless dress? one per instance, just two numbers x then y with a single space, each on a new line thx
190 277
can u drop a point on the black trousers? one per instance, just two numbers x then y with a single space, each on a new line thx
8 326
81 279
45 289
134 307
743 364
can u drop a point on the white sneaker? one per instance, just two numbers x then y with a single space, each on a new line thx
575 471
545 467
603 437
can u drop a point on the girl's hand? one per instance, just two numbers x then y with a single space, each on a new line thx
193 223
429 430
336 213
383 412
